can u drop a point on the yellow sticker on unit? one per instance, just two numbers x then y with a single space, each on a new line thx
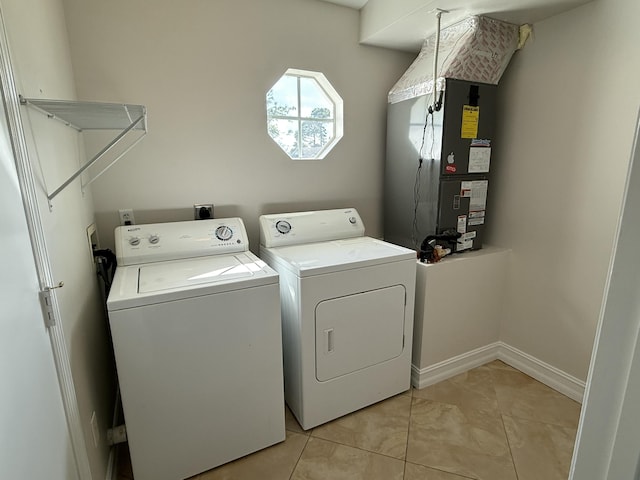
470 117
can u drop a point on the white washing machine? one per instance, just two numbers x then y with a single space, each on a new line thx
347 312
195 322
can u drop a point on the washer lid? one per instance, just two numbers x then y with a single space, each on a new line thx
164 276
337 255
138 285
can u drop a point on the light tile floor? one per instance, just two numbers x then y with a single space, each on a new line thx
490 423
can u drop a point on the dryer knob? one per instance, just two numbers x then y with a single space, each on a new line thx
352 220
154 239
283 226
133 241
224 233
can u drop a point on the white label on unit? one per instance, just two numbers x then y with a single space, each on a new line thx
478 194
476 218
479 159
462 224
465 189
469 236
465 245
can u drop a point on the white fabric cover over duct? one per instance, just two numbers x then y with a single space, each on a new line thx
477 49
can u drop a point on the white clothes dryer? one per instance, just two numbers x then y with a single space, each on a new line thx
195 323
347 312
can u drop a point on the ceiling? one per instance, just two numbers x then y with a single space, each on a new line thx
357 4
404 24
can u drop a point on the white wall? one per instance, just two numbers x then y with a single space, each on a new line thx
446 329
568 107
608 441
40 51
203 68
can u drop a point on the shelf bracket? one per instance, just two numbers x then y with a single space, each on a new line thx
84 116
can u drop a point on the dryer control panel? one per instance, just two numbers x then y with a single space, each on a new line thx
156 242
282 229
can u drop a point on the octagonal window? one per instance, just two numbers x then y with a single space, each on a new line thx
304 114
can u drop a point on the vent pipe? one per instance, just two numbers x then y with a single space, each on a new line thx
436 103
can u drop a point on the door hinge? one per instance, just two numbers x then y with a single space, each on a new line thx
117 435
47 306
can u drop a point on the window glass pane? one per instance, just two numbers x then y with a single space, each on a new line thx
304 114
315 136
314 102
282 99
285 133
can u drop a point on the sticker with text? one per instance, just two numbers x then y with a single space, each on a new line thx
476 218
470 117
462 224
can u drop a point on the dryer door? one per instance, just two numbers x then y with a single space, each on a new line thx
358 331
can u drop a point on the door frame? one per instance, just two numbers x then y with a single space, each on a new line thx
26 180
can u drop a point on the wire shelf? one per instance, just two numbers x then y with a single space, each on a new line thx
83 116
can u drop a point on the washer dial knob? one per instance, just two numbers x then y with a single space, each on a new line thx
133 241
224 233
154 238
283 226
352 220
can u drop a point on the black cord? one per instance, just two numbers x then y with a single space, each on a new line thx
416 203
106 261
416 185
424 131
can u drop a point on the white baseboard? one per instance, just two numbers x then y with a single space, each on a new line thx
551 376
421 378
541 371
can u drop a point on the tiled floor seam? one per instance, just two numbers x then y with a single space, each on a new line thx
515 468
504 428
293 470
406 447
361 449
526 419
440 470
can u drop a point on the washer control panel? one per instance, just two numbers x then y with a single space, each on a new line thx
309 227
157 242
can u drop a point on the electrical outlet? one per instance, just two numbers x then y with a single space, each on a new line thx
203 211
126 217
94 430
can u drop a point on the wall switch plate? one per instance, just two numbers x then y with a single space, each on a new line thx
203 211
126 217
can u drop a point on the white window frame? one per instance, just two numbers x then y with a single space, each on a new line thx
337 121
